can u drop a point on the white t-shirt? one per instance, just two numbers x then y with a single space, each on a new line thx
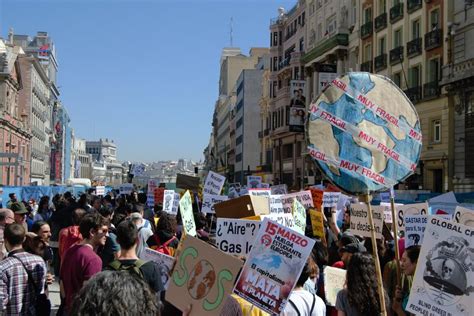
303 300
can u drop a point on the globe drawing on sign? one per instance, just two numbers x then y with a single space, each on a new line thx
364 133
201 280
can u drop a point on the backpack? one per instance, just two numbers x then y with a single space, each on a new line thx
164 248
117 265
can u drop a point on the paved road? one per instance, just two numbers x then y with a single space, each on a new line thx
54 297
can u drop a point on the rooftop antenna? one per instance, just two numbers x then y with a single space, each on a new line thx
231 31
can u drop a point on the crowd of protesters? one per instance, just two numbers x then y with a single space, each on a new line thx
92 246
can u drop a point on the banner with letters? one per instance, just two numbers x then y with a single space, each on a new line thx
266 192
360 224
236 236
276 207
304 197
409 209
214 183
273 266
444 277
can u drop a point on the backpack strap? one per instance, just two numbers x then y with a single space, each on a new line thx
139 263
115 265
169 241
312 306
294 306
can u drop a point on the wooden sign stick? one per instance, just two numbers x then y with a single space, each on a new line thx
395 236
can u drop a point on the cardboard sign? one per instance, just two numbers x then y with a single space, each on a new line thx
284 219
138 170
243 206
186 210
304 197
464 216
260 192
100 190
414 229
158 195
409 209
299 214
126 188
209 200
444 276
279 189
317 196
254 182
170 202
387 211
317 223
213 184
330 199
360 224
187 182
203 276
273 266
334 280
236 236
150 195
276 207
165 263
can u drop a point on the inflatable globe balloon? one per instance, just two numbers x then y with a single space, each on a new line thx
364 133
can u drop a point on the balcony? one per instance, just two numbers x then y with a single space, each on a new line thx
380 62
366 66
366 30
414 47
396 55
332 42
266 132
284 63
433 39
381 22
414 94
431 90
413 5
396 12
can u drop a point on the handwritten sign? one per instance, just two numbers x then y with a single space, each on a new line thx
464 216
208 201
299 214
360 224
279 189
317 196
317 223
236 236
330 199
186 210
254 182
334 280
284 219
170 202
126 188
304 197
273 266
100 190
159 194
260 192
165 263
409 209
214 183
276 207
150 195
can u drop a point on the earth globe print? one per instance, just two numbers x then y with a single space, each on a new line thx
201 280
364 133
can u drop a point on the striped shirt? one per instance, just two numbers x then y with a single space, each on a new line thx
17 295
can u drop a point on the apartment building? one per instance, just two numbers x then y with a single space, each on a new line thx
287 94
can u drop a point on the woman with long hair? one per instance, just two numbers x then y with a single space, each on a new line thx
360 297
408 266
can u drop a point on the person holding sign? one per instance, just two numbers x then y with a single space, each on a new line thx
408 267
360 297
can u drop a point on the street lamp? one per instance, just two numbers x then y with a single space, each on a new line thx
10 146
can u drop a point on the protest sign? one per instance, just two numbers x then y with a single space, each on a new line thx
317 196
126 188
299 214
243 206
360 224
213 184
264 185
464 216
276 207
100 190
279 189
186 210
334 280
273 266
236 236
138 169
387 211
444 276
170 202
254 182
414 229
203 277
284 219
317 223
260 192
165 263
158 195
409 209
150 195
187 182
330 199
304 197
208 201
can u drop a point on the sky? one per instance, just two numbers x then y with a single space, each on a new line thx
142 73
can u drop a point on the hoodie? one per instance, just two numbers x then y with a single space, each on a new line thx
67 237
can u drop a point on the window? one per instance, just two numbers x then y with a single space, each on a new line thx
239 105
354 12
415 77
297 73
415 29
302 44
397 38
275 39
433 70
238 158
331 25
382 6
320 31
239 122
239 140
368 52
397 79
368 15
434 19
287 151
275 63
436 124
382 45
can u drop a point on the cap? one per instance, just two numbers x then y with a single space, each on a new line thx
354 248
348 238
18 208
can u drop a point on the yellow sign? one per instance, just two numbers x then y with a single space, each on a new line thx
317 223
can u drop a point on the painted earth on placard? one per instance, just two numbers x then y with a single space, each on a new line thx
342 145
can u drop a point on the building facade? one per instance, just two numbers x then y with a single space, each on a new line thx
14 132
287 94
106 169
83 160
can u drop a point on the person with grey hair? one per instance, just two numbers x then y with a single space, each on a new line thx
6 217
143 232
